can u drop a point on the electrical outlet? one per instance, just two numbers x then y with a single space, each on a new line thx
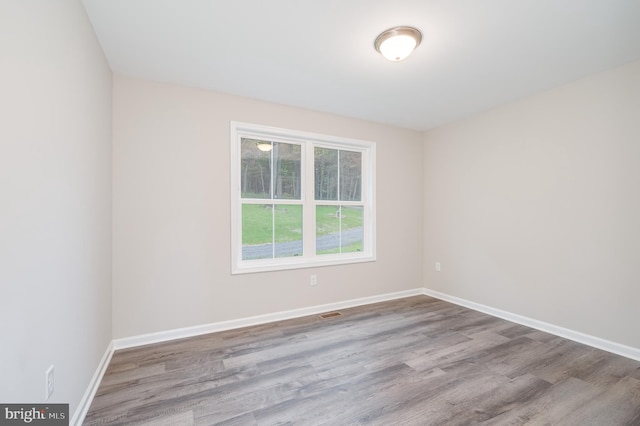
314 280
49 382
438 266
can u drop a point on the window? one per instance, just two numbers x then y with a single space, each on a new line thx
299 199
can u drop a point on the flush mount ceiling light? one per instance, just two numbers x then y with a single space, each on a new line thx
264 146
397 43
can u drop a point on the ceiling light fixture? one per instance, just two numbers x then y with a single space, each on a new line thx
397 43
264 146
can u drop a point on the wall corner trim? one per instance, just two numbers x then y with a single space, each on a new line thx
87 398
576 336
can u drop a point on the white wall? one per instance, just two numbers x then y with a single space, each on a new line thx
55 205
171 264
534 207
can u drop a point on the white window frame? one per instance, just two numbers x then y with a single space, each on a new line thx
307 141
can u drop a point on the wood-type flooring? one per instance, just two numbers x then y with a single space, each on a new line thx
412 361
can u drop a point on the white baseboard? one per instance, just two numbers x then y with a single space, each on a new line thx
164 336
87 398
576 336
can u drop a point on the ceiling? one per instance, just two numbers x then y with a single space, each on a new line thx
319 54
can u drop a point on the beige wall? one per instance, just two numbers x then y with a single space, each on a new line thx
171 264
534 207
55 200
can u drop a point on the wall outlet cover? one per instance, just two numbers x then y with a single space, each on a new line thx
50 384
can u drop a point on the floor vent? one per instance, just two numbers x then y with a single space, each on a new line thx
330 315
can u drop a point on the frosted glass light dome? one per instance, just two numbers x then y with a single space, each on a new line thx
397 43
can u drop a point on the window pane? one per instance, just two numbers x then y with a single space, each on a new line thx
288 230
327 229
339 229
286 164
255 168
326 173
257 231
271 230
350 175
352 229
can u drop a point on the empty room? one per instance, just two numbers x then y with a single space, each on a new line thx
320 212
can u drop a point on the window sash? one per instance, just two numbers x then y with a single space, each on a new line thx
307 200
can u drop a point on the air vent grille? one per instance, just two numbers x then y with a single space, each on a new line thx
330 315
